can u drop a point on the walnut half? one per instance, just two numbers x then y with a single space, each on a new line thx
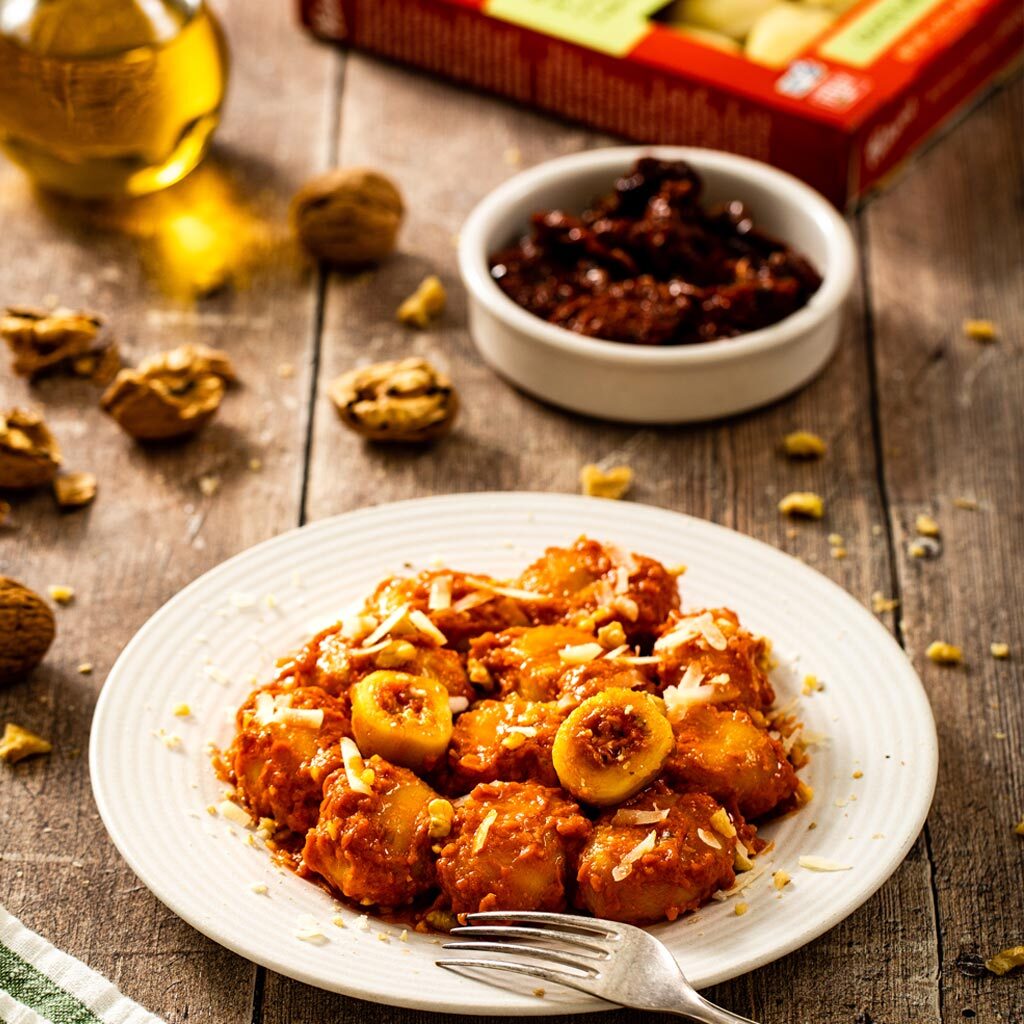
27 629
29 453
404 400
41 339
170 394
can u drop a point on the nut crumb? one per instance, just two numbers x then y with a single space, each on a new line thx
780 879
811 684
424 305
286 370
18 743
980 330
858 774
740 909
1019 827
803 503
74 490
209 485
61 593
613 483
802 444
999 650
926 526
255 465
182 710
513 156
880 603
924 547
85 668
966 503
836 540
943 653
540 993
839 552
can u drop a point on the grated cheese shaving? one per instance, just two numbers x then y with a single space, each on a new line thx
822 864
423 625
678 701
481 833
511 592
230 810
457 704
687 629
624 868
580 654
473 600
440 594
353 762
722 823
692 677
625 816
306 718
708 839
386 626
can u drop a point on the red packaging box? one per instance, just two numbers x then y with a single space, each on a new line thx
842 113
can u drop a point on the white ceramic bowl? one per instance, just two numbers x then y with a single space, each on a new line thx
641 384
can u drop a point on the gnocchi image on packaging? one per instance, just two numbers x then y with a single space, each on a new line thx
573 738
768 32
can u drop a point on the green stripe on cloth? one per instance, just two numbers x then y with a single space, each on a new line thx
33 989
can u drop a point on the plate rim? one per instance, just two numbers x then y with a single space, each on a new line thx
848 904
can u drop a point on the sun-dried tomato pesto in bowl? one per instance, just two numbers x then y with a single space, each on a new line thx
649 264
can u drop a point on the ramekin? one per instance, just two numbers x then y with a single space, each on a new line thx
645 384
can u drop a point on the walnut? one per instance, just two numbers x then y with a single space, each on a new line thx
802 444
171 394
17 743
802 503
29 453
74 490
27 628
40 339
405 400
349 216
424 305
615 483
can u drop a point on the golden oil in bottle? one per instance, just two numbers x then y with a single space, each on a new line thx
109 97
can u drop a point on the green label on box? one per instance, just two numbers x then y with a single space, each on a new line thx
611 26
868 36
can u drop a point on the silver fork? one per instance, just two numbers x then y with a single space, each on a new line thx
615 962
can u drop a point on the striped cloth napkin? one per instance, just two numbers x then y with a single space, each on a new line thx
41 985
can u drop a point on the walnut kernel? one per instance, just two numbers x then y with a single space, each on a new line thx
802 444
943 653
405 400
425 304
803 503
613 483
27 628
171 394
349 217
18 743
29 453
74 490
40 339
1006 961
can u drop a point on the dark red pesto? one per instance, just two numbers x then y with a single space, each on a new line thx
647 264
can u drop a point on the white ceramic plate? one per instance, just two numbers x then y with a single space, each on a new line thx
206 646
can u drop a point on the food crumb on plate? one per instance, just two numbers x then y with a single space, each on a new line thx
813 863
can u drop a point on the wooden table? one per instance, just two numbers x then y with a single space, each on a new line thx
915 415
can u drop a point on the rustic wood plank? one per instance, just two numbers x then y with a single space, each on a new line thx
151 530
730 472
943 245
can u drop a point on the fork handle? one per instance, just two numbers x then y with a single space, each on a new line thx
699 1009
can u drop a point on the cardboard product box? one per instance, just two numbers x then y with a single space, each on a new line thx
838 92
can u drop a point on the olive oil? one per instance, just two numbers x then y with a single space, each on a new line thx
109 97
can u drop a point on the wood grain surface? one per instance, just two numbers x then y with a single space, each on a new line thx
916 416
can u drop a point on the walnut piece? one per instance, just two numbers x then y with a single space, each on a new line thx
998 649
349 217
802 444
424 305
27 628
981 330
943 653
171 394
74 490
40 339
18 743
1006 961
29 453
926 525
613 483
803 503
404 400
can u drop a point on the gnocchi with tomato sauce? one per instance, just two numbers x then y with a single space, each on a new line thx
570 738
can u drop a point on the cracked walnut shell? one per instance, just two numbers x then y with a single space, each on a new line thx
40 339
349 216
404 400
27 629
170 394
29 454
